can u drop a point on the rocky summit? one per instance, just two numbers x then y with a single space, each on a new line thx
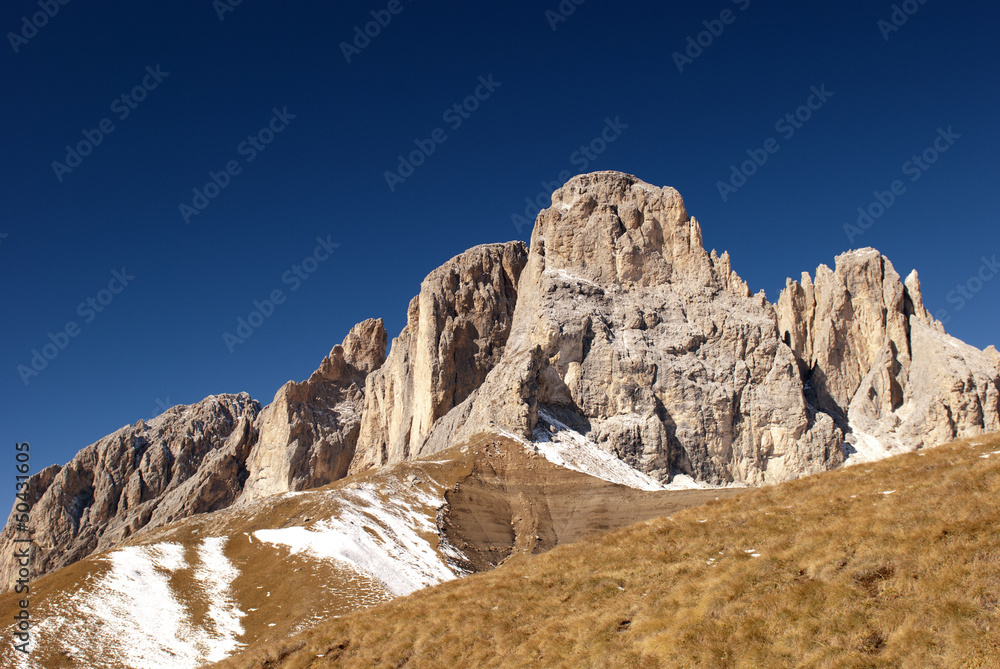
614 335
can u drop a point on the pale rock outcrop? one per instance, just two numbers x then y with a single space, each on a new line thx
628 331
307 435
455 333
875 359
185 461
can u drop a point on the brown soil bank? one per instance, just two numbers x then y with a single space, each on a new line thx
517 502
893 564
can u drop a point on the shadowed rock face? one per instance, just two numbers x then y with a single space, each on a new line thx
877 361
188 460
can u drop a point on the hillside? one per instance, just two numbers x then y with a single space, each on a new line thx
888 564
204 587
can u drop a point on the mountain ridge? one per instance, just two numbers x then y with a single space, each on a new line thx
616 323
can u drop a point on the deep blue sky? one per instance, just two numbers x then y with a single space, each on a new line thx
160 340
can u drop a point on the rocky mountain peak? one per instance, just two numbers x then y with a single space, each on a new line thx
308 433
361 353
874 359
611 227
456 331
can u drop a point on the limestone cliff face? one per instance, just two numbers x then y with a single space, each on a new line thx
188 460
876 360
307 435
628 331
455 333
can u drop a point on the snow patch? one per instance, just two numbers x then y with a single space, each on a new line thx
570 278
865 448
134 618
568 448
216 574
383 539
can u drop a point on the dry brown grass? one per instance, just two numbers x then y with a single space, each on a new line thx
847 577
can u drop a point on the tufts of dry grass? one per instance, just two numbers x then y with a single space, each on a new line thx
893 564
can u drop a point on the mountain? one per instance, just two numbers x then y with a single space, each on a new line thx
629 332
614 347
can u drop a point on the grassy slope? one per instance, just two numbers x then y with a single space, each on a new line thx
499 496
848 576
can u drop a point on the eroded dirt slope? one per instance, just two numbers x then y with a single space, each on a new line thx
514 501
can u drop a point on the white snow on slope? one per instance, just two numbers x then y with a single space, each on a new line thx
570 449
380 538
866 448
132 616
217 573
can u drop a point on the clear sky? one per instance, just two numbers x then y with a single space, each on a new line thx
275 124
